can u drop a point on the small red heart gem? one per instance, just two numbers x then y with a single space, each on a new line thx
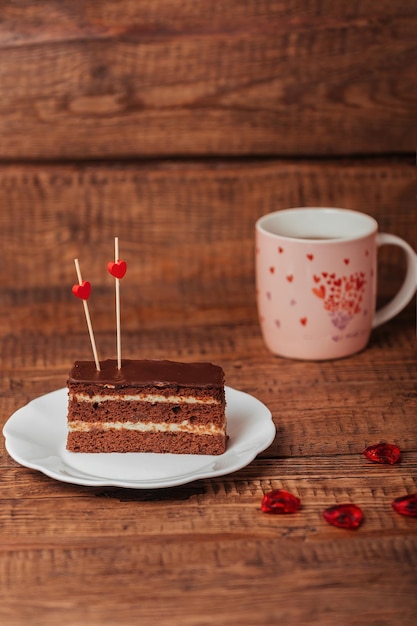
82 291
317 279
383 453
280 250
406 505
118 269
303 321
310 257
280 501
290 278
272 270
344 516
347 261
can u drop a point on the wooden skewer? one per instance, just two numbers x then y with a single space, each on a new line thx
118 332
87 317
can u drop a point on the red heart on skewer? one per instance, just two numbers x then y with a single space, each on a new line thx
118 269
82 291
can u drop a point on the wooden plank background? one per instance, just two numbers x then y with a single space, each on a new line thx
186 230
175 78
174 124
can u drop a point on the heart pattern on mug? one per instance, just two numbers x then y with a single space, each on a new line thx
320 292
342 296
341 293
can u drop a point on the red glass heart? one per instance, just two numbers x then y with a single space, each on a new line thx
118 269
406 505
82 291
280 501
344 516
383 453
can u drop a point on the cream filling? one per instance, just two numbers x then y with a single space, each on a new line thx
153 398
145 427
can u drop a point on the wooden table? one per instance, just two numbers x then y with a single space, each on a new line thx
174 125
204 553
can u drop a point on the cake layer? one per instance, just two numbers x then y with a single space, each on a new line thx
183 427
132 441
131 411
142 373
170 395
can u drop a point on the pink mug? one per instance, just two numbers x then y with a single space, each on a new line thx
316 280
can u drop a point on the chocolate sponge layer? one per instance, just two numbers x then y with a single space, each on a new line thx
125 441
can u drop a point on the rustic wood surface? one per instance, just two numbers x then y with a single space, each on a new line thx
87 79
174 125
203 553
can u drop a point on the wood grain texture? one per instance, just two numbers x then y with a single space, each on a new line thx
125 79
174 125
204 553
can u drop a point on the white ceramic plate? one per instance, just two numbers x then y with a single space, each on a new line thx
36 438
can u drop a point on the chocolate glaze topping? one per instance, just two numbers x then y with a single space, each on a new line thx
146 372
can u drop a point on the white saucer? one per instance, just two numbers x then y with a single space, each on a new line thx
36 438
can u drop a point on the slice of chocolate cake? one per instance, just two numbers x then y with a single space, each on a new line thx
146 406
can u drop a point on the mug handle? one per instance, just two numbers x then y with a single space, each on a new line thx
409 286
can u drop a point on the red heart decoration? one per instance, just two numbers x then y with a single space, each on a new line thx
118 270
82 291
310 257
303 321
280 250
347 261
344 516
272 270
406 505
280 501
383 453
290 278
